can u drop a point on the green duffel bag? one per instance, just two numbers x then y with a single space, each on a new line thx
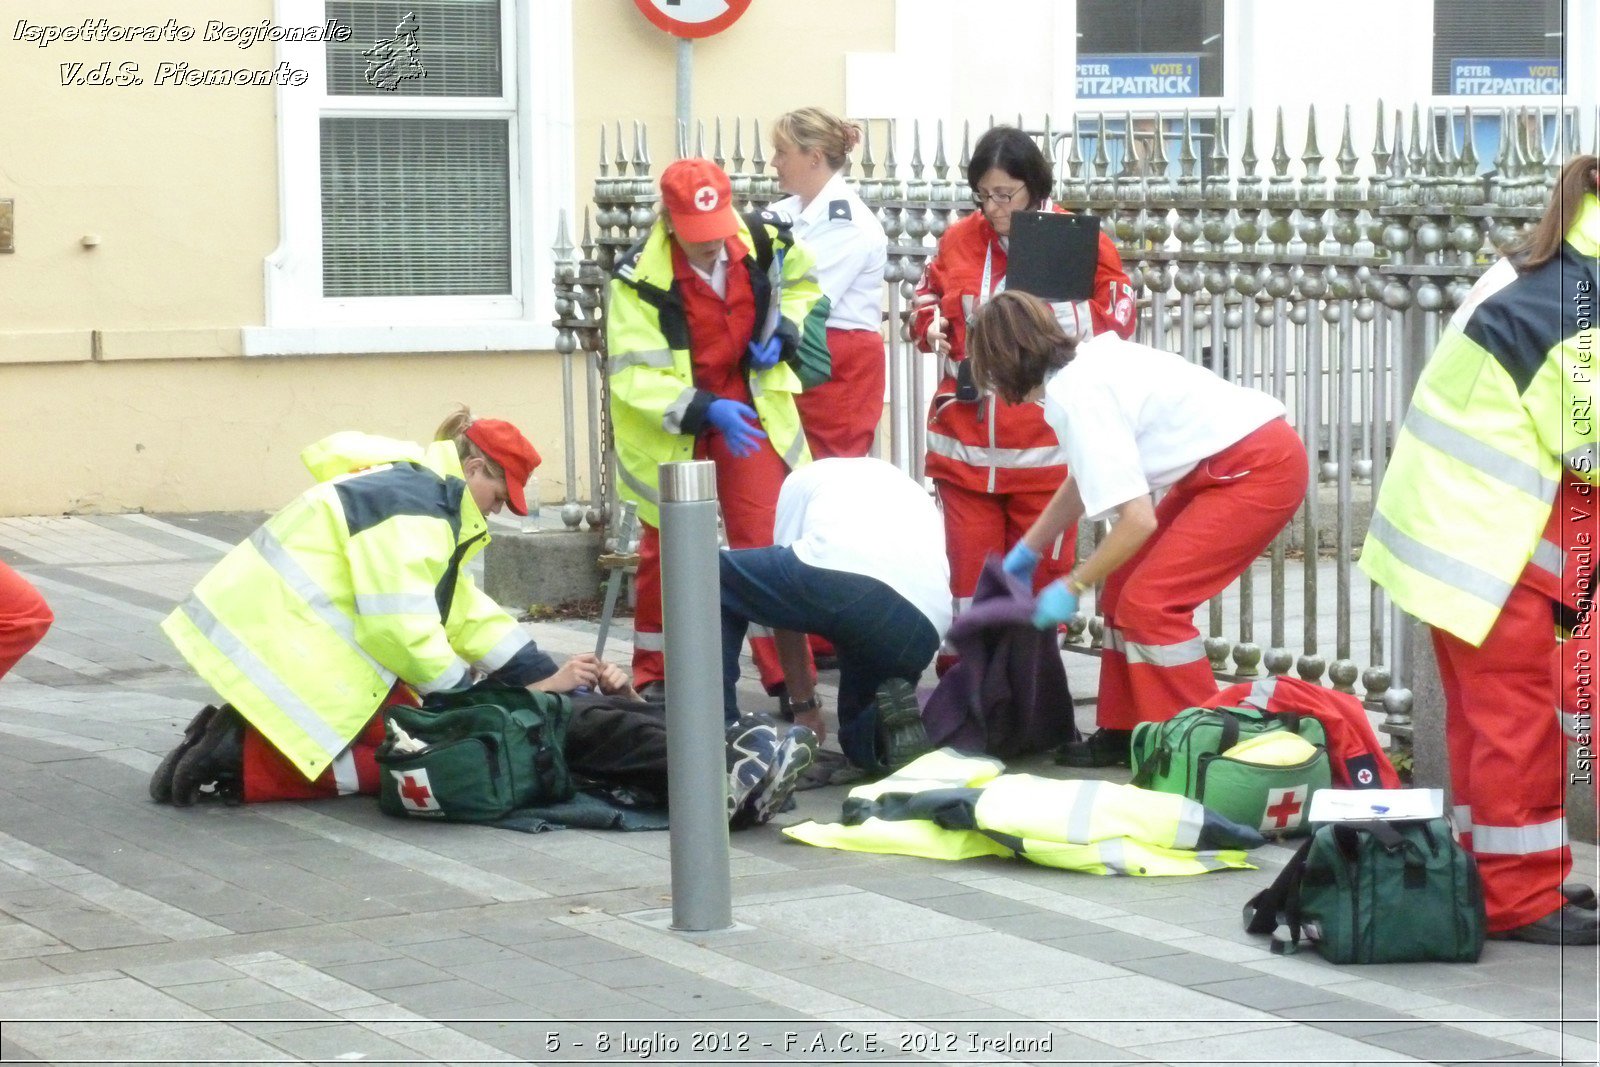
1189 755
487 751
1376 892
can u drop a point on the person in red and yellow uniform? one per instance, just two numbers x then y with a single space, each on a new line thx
994 464
710 316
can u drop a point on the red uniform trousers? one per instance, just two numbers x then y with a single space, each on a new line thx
1508 763
841 415
24 618
747 490
269 776
1210 526
978 523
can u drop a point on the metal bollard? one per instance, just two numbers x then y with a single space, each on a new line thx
697 780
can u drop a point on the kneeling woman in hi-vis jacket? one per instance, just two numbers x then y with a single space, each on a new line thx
351 598
1134 420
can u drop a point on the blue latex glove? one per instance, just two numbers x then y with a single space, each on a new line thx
765 356
739 423
1021 562
1056 604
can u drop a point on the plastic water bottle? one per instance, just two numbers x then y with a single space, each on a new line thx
530 521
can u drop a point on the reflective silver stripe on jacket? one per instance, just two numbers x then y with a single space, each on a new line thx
1547 556
1461 815
345 778
1113 854
1009 458
672 418
261 676
797 448
1191 820
647 641
1443 568
1208 859
1262 692
1569 723
1519 840
286 567
449 678
1177 654
515 640
646 492
1080 820
397 604
1479 455
659 358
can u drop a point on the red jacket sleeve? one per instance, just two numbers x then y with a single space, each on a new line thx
931 283
1112 305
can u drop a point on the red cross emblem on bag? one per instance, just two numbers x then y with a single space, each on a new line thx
1285 808
416 792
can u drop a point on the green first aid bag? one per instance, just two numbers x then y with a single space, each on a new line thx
1186 755
1376 892
488 751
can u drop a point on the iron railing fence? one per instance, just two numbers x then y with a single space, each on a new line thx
1327 290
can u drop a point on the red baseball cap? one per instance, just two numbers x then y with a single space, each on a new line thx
699 200
504 443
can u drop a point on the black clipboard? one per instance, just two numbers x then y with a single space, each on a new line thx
1053 255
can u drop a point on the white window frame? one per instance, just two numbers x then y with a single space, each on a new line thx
300 320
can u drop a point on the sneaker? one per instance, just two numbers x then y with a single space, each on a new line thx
1103 748
797 749
1567 925
752 750
901 735
161 780
214 765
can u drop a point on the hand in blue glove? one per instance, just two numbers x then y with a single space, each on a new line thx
1056 604
739 423
765 356
1021 562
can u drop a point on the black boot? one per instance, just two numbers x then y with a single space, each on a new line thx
1567 925
216 760
161 780
1580 895
1103 748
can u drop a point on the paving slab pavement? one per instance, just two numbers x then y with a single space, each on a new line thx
326 932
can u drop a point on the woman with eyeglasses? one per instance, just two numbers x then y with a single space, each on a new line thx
995 464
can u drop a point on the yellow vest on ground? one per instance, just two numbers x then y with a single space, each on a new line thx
1093 827
1504 404
305 627
650 374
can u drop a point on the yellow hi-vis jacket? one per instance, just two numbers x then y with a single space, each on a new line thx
948 806
305 627
1504 404
656 411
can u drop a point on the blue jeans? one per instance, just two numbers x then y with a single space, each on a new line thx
876 633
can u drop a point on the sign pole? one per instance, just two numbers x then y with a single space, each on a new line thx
685 87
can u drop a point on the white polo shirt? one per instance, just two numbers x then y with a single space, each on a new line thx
1133 419
865 516
851 252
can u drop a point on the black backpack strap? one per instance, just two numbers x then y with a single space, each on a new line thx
1230 730
1278 905
761 237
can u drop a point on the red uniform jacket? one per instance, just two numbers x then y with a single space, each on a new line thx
1358 761
991 446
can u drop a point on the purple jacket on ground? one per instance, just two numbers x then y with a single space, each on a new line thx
1008 695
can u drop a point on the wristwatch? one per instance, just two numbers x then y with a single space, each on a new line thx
793 707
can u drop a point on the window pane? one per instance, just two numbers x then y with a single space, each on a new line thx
415 207
1161 29
446 48
1494 29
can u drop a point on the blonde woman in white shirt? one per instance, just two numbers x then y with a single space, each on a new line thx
1135 420
809 150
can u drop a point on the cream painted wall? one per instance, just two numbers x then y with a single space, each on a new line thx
782 54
